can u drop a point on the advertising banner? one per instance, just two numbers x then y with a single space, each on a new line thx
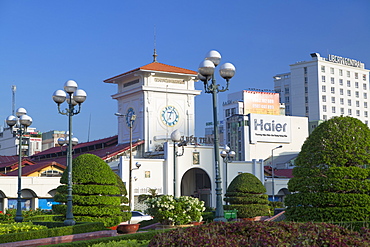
269 128
261 103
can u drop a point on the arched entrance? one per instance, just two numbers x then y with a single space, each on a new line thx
197 183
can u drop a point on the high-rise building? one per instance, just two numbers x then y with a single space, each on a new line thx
325 87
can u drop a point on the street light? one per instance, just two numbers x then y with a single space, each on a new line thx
74 97
176 137
273 172
132 120
206 72
21 119
228 157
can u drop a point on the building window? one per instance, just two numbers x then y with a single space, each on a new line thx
341 91
324 117
349 111
323 69
323 78
306 109
305 70
306 89
365 113
366 122
341 72
287 108
348 74
306 80
342 111
227 113
356 84
357 103
323 98
364 86
348 92
349 102
306 99
365 95
332 80
324 89
348 83
331 70
332 89
286 99
365 104
357 93
332 99
341 82
356 75
341 101
286 90
324 108
357 113
364 77
333 109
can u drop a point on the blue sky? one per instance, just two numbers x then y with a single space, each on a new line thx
45 43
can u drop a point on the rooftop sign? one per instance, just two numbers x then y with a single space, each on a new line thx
345 61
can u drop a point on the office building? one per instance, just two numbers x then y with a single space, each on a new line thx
325 87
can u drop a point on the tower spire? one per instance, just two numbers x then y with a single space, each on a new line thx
155 46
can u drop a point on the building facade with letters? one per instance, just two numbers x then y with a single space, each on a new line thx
325 87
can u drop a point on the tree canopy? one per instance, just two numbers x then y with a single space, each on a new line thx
331 178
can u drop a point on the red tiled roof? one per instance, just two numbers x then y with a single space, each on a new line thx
283 173
155 66
103 148
27 170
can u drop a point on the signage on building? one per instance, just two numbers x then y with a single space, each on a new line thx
269 128
166 80
261 103
344 61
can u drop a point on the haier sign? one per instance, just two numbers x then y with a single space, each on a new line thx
269 128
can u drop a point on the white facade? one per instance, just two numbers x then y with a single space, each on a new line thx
9 142
194 173
325 87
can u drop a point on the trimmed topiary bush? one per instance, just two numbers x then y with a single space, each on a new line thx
97 192
246 194
331 178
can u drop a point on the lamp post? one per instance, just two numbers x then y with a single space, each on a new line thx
20 120
74 97
273 172
132 119
176 137
228 157
206 73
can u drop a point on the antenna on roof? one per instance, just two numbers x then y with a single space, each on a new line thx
14 88
155 45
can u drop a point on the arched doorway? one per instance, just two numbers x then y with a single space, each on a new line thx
196 182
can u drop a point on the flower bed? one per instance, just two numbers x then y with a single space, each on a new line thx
259 233
175 211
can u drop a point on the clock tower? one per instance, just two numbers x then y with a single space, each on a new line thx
162 98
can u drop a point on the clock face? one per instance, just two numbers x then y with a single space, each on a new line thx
129 114
170 116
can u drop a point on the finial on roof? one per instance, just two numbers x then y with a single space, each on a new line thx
155 45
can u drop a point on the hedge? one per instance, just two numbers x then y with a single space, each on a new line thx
52 232
328 200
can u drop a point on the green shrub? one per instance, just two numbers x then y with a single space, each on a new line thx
245 194
97 192
331 178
